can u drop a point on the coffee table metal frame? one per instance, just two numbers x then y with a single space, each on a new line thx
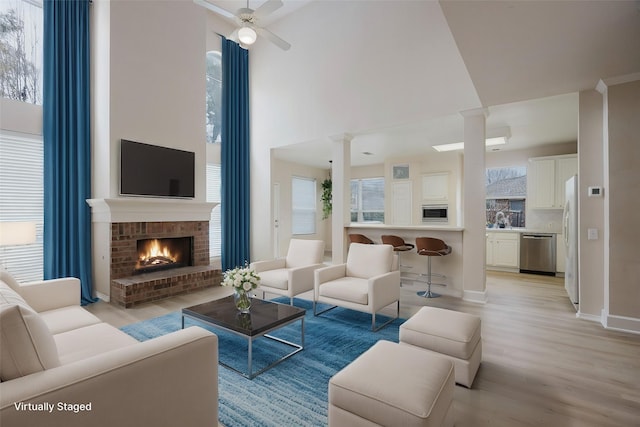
250 338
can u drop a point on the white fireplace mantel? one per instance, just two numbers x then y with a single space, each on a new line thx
143 209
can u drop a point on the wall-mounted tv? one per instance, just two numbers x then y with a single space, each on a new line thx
150 170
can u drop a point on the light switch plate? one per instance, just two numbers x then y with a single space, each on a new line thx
592 234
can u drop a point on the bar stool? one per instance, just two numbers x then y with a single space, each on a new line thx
360 238
430 247
399 246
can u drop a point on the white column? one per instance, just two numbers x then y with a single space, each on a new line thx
474 206
603 88
340 194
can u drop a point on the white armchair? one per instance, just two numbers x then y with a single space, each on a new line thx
292 275
367 282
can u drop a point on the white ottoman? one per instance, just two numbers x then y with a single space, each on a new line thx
449 333
393 385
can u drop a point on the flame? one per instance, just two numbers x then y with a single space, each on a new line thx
156 252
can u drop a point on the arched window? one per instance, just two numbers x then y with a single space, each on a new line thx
214 95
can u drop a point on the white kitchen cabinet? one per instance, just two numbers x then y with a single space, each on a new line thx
435 187
542 185
546 177
565 168
503 249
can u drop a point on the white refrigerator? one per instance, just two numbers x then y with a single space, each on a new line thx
570 233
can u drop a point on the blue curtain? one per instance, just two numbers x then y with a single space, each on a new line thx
235 194
67 143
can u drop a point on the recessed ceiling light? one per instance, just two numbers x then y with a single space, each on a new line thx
449 147
460 145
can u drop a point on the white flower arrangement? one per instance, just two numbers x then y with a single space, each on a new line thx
242 279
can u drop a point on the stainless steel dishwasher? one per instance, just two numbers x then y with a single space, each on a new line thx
538 253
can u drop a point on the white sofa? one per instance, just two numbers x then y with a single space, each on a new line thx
61 366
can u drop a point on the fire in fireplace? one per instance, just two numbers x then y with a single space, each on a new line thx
162 254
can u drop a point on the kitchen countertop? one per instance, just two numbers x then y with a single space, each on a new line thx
522 230
378 226
404 227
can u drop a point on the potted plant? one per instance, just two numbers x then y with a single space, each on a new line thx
326 198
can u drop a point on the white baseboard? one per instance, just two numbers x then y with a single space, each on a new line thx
621 323
589 317
103 297
479 297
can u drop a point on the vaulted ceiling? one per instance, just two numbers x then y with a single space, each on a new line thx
524 60
520 50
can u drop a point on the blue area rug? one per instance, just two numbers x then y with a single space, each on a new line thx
294 392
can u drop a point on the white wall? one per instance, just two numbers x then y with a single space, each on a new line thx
103 169
357 58
283 172
350 69
149 83
591 209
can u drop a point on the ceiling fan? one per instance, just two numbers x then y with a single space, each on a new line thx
247 19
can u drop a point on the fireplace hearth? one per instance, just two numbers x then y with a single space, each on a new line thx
163 254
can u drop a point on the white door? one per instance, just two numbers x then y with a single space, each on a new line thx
401 203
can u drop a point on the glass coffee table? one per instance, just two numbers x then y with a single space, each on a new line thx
264 317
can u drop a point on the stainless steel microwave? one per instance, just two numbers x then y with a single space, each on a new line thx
435 213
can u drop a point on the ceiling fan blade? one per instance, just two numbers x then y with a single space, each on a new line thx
268 8
272 38
216 9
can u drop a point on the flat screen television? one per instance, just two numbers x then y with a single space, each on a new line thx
150 170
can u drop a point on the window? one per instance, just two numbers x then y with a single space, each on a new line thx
367 200
303 205
21 50
506 196
21 199
214 96
213 123
215 222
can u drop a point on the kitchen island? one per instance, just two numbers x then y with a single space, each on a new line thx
414 265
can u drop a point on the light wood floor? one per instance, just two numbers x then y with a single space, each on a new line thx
541 366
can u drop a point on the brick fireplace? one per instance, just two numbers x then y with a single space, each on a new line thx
122 220
125 237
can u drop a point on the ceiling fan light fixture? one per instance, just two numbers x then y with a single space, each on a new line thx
247 35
